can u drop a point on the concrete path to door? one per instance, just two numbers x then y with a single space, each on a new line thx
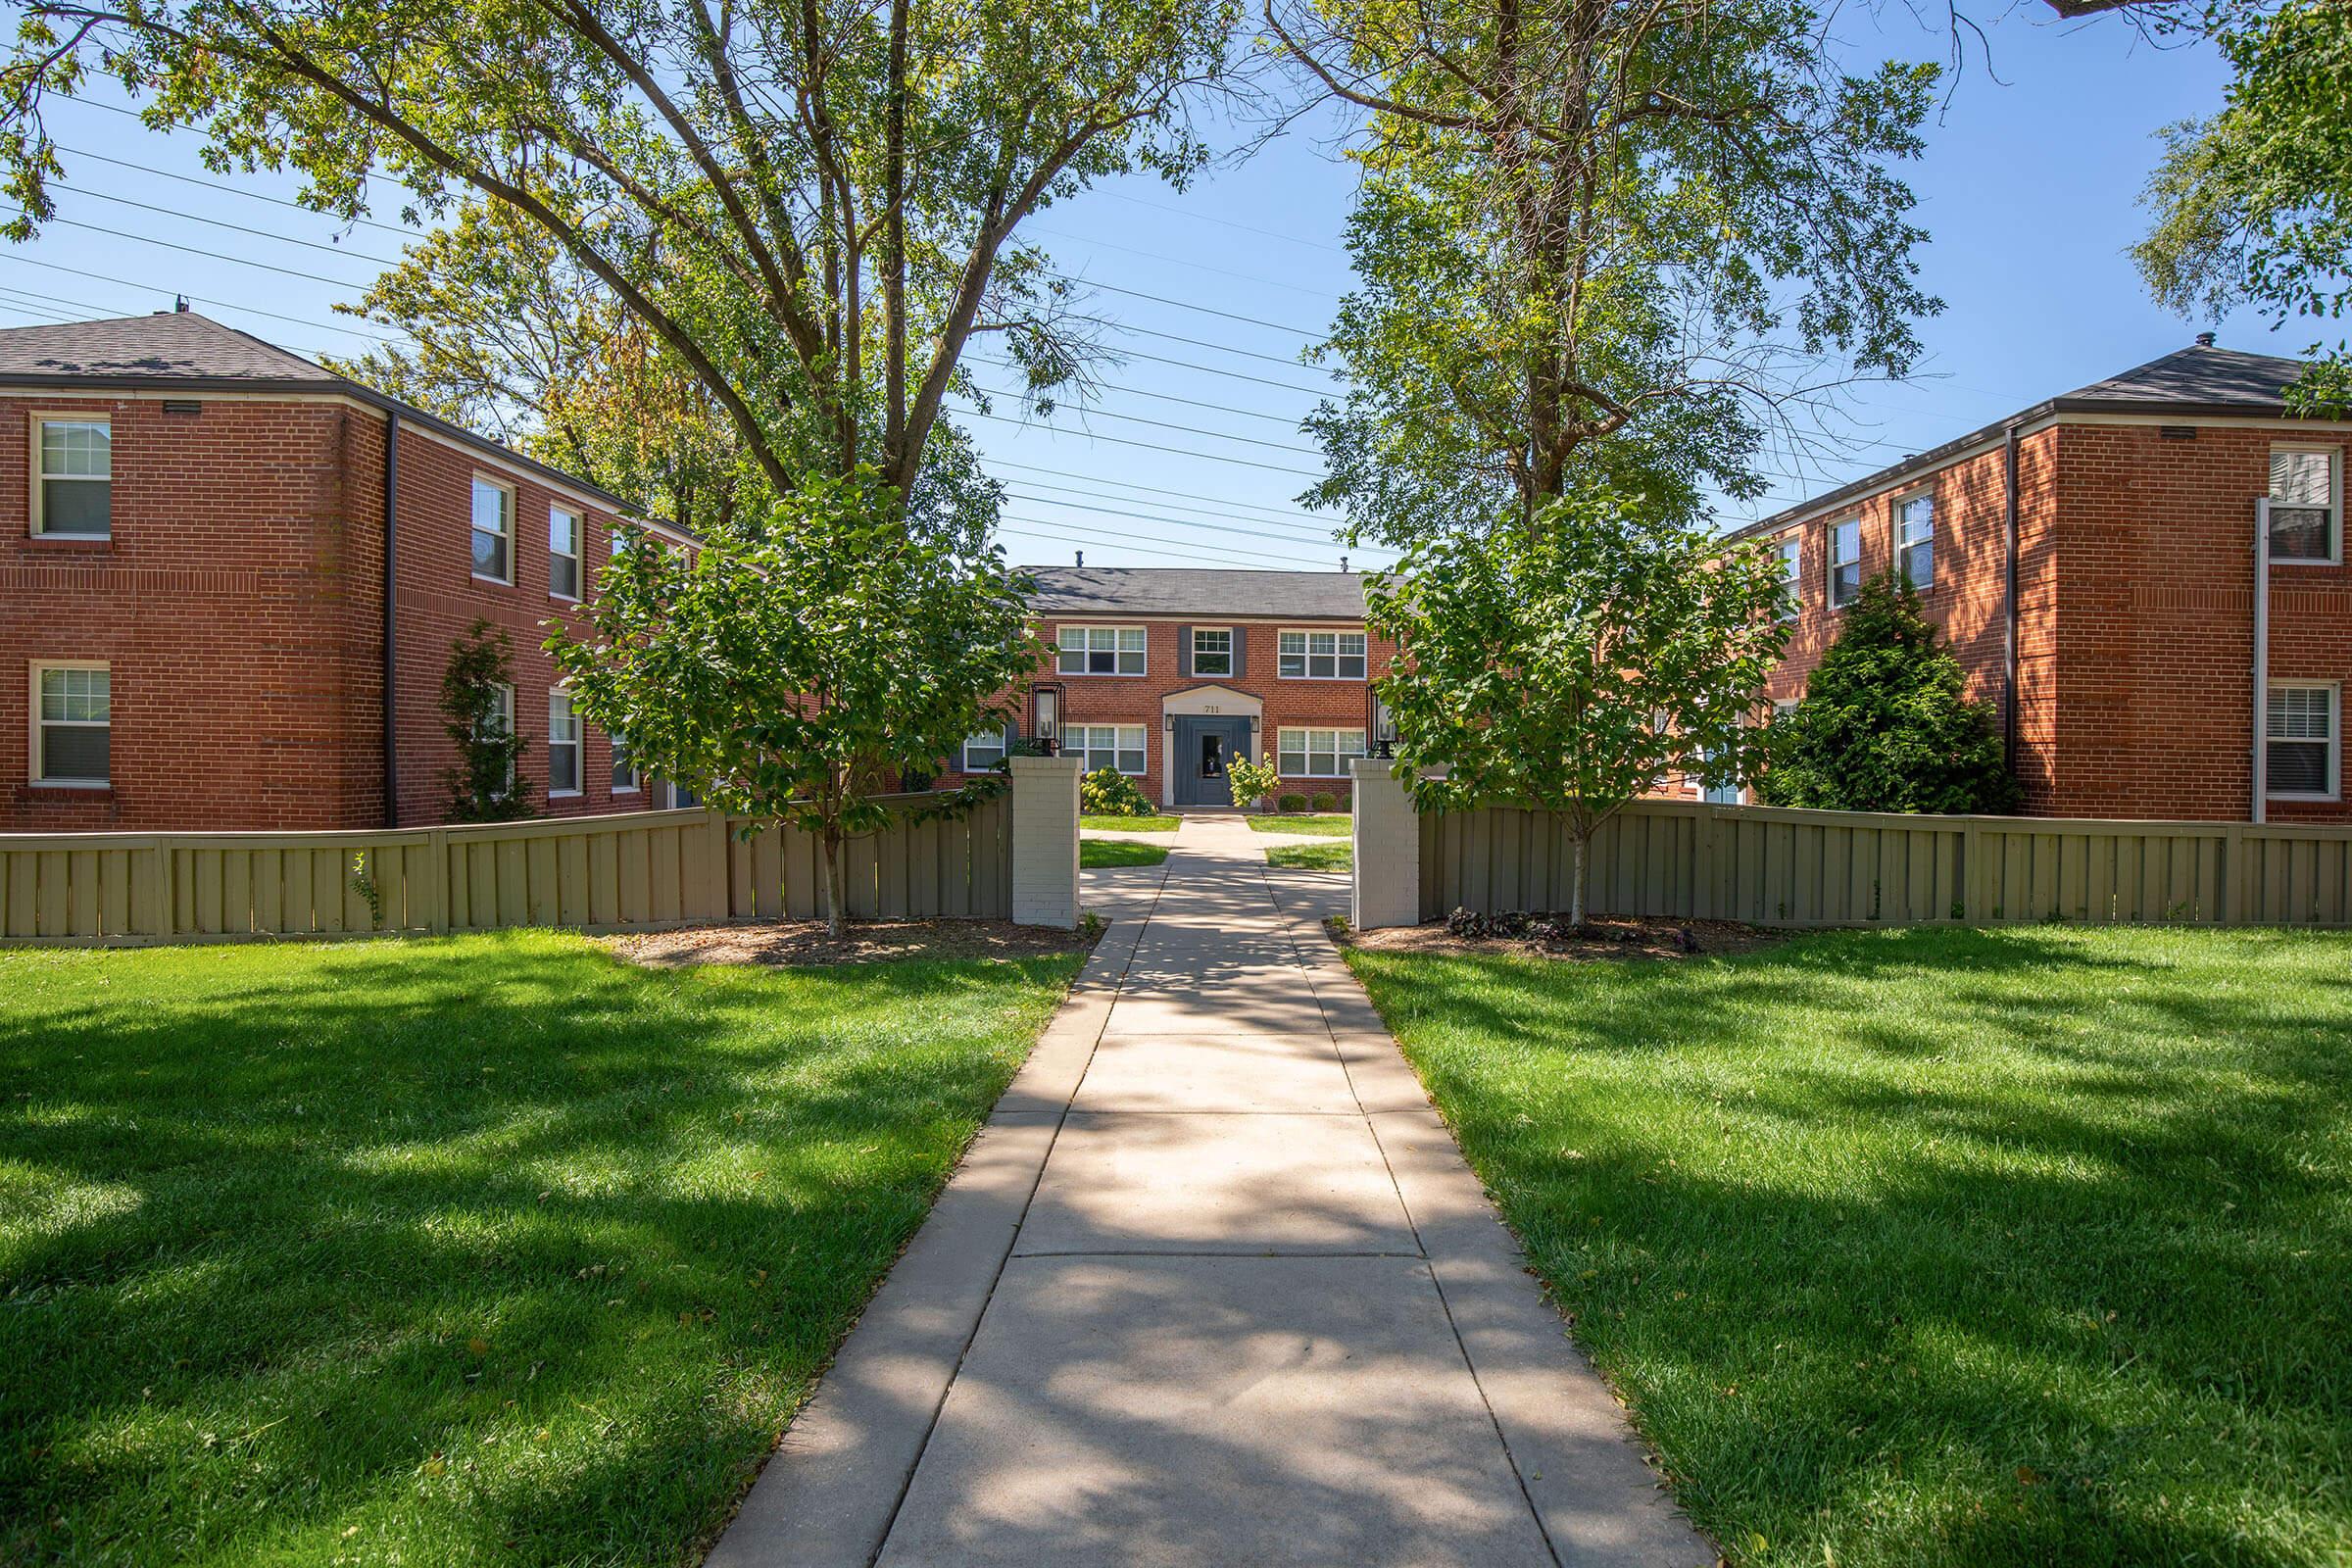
1214 1286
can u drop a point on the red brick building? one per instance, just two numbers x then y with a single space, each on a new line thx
1167 674
2093 559
203 622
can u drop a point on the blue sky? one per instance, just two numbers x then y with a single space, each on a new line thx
1192 455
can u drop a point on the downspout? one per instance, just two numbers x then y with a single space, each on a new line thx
391 617
2009 725
2261 658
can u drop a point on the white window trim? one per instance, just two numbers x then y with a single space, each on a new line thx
578 744
1102 625
1340 758
1336 656
578 557
964 753
32 755
2335 525
1233 638
1831 562
1793 573
1081 752
33 522
620 745
1894 533
2335 741
501 486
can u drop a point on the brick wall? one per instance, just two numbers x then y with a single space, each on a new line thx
238 606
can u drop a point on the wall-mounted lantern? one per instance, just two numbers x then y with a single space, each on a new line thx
1045 708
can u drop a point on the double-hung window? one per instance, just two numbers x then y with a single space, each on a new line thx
562 553
1316 752
73 718
563 745
1915 541
1101 650
1845 564
1114 745
1212 650
493 530
1321 656
73 498
1791 551
2306 502
2302 740
983 750
624 767
498 723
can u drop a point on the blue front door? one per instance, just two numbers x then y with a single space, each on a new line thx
1202 748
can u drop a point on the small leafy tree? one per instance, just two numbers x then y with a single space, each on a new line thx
1108 792
477 702
1251 781
792 677
1573 664
1885 724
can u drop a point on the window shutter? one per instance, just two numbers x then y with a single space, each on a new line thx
1184 652
1240 644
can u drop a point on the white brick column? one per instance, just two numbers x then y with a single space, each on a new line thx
1388 849
1045 841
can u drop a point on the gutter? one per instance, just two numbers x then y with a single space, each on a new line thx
391 616
2009 600
2262 661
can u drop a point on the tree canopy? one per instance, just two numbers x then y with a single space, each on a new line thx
1629 238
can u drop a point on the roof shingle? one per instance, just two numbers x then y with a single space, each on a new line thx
167 346
1186 591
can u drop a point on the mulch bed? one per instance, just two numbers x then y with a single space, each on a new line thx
1611 936
805 942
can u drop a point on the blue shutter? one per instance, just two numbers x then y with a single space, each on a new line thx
1184 652
1241 641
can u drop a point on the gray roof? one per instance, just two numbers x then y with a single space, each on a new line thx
1185 591
183 350
2200 379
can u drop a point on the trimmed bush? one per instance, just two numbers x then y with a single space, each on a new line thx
1108 792
1293 801
1325 801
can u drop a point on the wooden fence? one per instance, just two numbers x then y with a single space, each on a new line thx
639 870
1768 866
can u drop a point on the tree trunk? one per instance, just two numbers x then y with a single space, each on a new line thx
837 884
1576 882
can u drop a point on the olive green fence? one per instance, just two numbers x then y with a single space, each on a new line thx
1768 866
633 871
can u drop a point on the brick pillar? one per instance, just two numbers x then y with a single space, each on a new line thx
1045 841
1388 849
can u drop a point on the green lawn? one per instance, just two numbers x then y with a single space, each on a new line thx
1129 824
1325 824
1119 851
1940 1247
1311 857
486 1249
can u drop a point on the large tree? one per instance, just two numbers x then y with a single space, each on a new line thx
812 204
2253 206
1573 661
1621 240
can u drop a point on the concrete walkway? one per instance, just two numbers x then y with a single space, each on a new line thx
1214 1286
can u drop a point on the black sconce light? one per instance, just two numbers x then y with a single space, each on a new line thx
1046 706
1381 726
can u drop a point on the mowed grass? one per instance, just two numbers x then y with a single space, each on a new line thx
1094 852
485 1249
1324 825
1130 824
1940 1247
1311 857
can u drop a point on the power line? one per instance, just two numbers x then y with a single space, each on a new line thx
1225 223
1187 429
1178 260
226 305
1219 555
1289 421
172 245
1321 530
1219 505
1173 523
1149 445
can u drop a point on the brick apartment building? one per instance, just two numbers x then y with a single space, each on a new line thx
2092 560
201 613
1167 674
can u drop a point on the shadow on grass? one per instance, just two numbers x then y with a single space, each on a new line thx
1941 1245
479 1250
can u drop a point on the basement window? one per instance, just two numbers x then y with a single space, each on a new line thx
2301 739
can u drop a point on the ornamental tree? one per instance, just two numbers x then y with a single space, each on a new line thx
1886 723
792 678
1572 664
478 692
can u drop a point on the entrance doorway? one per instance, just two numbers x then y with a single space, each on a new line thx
1203 749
